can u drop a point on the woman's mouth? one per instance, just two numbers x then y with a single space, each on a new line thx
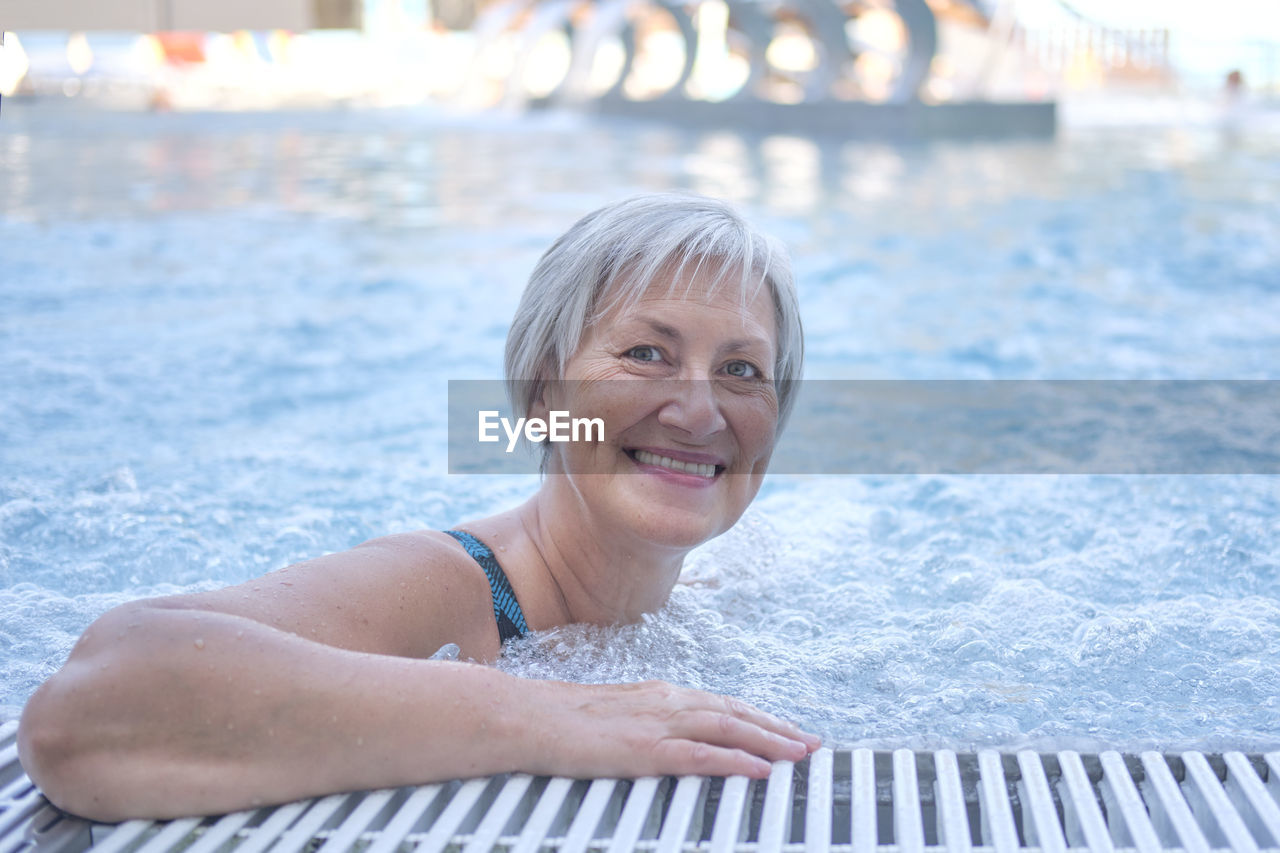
699 469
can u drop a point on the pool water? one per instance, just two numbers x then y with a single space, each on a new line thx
225 342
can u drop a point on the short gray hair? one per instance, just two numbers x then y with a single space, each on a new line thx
612 256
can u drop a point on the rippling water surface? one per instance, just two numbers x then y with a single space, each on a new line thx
225 342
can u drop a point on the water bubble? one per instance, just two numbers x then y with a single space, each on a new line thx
956 635
1236 635
1242 687
1193 673
977 650
883 523
952 700
1110 640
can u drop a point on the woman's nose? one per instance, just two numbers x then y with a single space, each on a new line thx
692 407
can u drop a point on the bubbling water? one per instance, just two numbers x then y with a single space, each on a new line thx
1048 615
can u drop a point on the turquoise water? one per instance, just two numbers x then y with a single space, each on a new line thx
225 342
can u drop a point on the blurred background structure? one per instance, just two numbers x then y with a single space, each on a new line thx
514 53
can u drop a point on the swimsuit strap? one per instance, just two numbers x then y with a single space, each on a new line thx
506 610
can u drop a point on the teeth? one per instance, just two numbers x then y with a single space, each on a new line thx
700 469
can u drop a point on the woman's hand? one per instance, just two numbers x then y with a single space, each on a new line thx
651 729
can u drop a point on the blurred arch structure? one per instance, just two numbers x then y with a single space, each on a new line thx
736 62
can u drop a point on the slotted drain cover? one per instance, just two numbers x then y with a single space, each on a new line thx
835 800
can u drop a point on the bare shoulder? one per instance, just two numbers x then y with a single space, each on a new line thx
405 594
420 550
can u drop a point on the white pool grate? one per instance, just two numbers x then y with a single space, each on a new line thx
858 799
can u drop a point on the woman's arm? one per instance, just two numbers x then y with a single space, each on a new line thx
159 714
311 681
308 680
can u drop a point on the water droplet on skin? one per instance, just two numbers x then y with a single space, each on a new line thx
359 741
199 643
239 634
231 727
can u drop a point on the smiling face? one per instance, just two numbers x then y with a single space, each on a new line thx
683 379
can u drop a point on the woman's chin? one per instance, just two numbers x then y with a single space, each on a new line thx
678 529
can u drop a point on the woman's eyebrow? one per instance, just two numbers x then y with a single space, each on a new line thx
668 331
746 344
662 328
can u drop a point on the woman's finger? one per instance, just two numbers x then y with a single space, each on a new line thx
727 721
722 728
680 757
769 722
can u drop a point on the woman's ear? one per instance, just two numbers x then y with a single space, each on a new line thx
541 405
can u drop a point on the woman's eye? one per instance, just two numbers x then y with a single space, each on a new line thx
742 370
644 353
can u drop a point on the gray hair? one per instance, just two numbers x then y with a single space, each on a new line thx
611 257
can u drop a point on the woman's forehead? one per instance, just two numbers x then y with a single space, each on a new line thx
698 279
662 305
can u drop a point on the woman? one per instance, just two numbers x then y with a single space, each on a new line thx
319 677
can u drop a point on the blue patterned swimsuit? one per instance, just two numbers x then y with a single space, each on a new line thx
506 610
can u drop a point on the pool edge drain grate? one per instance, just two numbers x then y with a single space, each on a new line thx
840 800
